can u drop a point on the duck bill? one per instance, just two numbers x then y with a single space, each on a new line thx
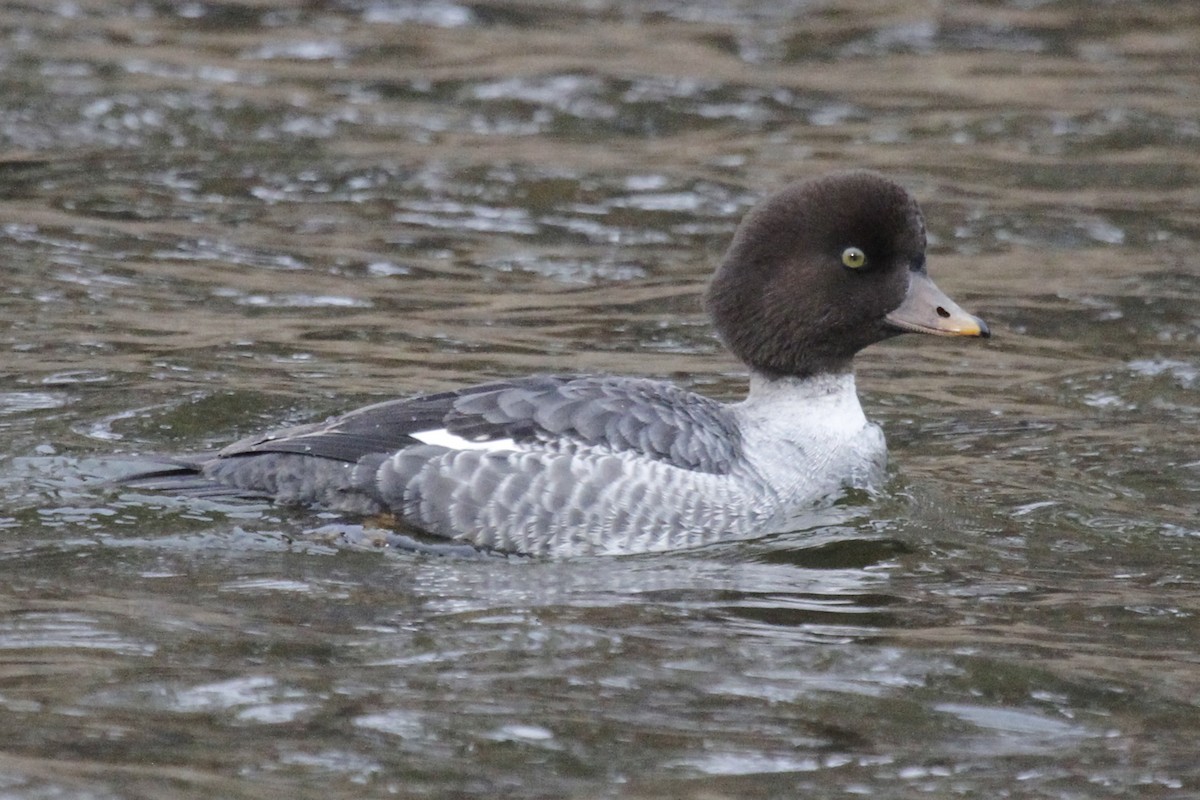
927 309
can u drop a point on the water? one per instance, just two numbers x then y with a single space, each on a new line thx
218 217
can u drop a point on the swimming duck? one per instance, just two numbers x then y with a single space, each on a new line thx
581 464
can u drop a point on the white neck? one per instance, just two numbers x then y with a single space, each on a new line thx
821 402
808 437
819 416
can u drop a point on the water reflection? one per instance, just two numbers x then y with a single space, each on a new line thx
218 217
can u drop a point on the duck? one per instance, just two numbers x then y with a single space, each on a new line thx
568 465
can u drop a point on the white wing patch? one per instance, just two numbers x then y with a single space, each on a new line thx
441 437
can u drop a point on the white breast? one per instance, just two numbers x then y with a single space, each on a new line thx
809 438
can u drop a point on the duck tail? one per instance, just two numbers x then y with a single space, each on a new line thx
178 476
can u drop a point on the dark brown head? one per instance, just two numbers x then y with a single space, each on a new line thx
824 268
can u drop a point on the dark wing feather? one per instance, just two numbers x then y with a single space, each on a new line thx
380 428
657 420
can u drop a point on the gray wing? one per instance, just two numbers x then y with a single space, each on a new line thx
567 480
656 420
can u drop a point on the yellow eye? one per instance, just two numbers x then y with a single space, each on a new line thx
854 258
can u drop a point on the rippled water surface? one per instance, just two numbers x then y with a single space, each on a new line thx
215 217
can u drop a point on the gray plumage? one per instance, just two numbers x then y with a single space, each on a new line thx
586 454
585 464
